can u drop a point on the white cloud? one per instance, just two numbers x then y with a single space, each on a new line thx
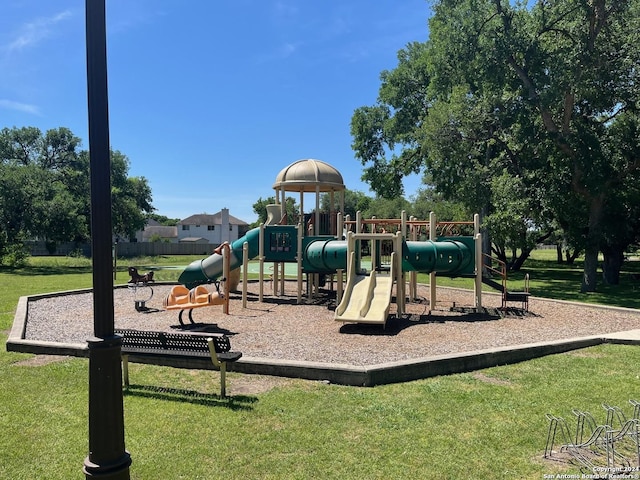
130 15
282 52
285 11
21 107
34 32
287 49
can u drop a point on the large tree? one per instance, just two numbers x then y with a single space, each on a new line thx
130 197
260 209
354 201
428 200
44 187
535 90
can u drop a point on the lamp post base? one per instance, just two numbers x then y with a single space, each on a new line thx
115 471
107 458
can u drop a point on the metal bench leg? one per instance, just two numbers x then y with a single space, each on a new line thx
223 379
222 366
125 370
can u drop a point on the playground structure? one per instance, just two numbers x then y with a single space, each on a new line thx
327 255
328 245
184 299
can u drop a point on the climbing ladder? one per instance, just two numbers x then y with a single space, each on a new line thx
499 268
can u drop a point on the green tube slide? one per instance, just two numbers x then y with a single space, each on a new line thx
452 257
325 256
209 269
449 257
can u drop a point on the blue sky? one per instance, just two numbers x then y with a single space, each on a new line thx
210 99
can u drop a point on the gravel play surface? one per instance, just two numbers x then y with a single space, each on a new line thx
278 328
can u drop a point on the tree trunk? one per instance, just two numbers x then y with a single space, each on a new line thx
518 262
571 256
559 258
499 253
613 260
590 271
594 235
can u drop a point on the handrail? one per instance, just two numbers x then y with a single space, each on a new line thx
394 221
444 229
502 272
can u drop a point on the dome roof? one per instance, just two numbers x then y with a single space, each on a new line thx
308 174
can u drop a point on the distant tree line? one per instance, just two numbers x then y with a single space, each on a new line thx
419 206
44 191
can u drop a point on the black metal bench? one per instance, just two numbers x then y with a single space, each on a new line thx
177 350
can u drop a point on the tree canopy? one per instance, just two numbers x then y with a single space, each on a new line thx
260 209
525 112
44 190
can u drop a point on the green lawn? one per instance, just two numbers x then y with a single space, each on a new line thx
549 279
483 425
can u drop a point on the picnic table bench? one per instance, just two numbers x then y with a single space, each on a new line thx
176 350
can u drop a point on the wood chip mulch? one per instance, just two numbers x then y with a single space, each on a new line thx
279 328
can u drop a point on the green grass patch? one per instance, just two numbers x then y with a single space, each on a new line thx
549 279
486 424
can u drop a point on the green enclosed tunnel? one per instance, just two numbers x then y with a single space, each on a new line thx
446 256
454 256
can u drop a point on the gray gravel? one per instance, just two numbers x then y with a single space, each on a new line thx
278 328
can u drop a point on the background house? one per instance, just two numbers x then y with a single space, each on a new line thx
195 235
206 228
154 232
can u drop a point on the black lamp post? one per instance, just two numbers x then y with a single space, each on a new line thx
107 457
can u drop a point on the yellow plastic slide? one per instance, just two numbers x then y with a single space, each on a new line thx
367 298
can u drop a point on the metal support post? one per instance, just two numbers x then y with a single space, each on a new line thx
107 457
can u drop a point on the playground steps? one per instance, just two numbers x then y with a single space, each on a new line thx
492 283
508 296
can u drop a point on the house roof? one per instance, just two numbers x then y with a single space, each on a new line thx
194 240
208 219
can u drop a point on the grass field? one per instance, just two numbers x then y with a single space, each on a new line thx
549 279
483 425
